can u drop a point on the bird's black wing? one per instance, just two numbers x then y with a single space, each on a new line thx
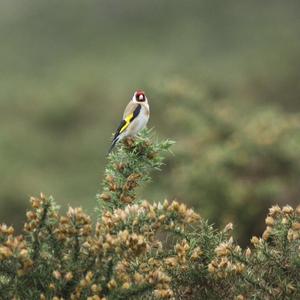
124 124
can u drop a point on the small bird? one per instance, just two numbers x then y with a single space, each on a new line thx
135 118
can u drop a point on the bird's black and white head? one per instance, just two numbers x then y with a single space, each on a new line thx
139 97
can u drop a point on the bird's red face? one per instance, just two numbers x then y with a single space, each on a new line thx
140 96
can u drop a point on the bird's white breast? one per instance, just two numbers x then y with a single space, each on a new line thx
140 121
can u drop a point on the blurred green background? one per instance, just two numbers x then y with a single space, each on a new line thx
222 77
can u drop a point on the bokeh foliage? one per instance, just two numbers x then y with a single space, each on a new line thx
215 73
235 160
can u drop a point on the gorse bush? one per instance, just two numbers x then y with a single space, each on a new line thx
143 250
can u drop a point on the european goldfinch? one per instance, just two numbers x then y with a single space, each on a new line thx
135 118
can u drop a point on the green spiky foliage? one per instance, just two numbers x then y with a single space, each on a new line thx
129 167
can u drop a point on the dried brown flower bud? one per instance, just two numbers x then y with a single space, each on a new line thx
248 252
129 142
113 187
105 196
163 293
174 206
35 202
112 284
95 288
223 249
197 252
287 209
228 227
89 276
56 275
4 229
211 268
126 285
151 155
138 278
134 177
275 210
270 221
296 226
126 199
255 241
68 276
267 233
120 167
5 252
10 230
165 204
292 235
291 288
171 261
239 268
31 215
109 178
24 253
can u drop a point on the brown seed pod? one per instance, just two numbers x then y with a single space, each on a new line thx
68 276
129 142
109 178
126 199
120 167
113 187
105 197
151 155
134 176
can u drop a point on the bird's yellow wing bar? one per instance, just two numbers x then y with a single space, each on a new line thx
124 125
127 120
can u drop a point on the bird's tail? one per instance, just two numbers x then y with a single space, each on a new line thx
113 144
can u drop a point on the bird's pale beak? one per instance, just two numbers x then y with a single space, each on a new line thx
141 97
